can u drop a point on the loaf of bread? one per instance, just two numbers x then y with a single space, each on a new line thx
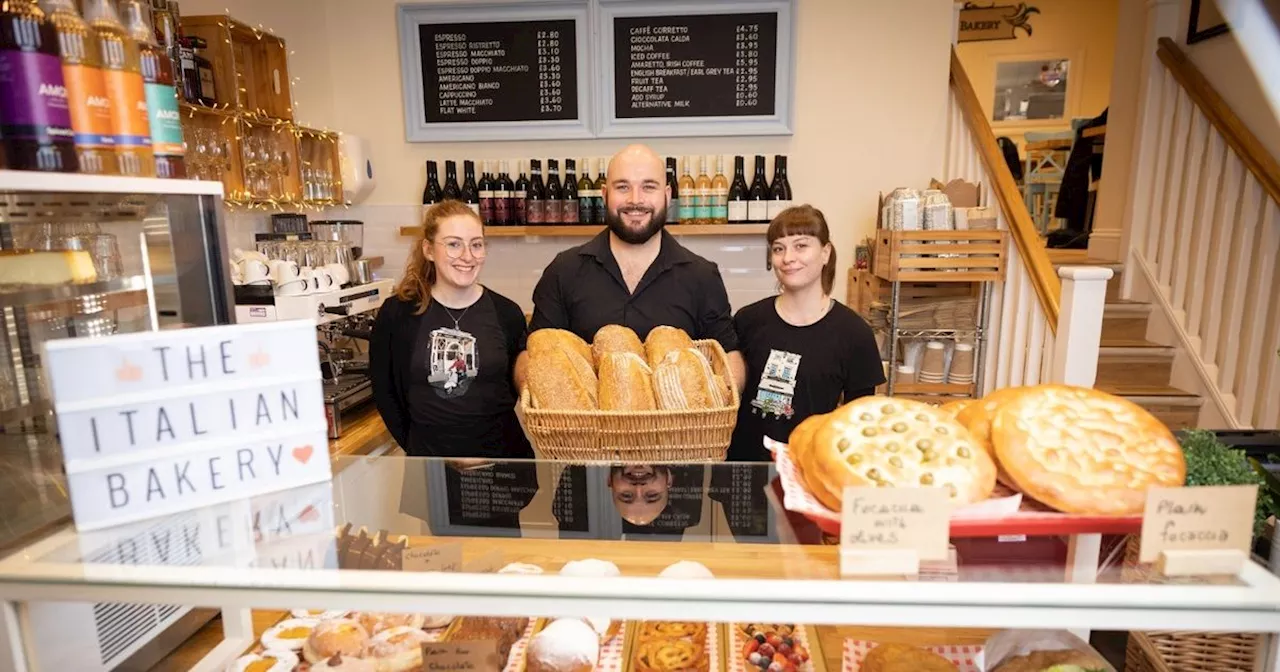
625 383
662 340
684 380
615 338
551 339
560 379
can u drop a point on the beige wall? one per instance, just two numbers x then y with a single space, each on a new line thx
1081 30
1225 66
871 92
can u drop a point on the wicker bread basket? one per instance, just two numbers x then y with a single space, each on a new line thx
650 436
1169 651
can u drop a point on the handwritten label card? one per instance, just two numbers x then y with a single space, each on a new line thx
461 656
1211 518
159 422
434 558
899 520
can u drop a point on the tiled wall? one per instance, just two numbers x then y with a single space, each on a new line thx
514 264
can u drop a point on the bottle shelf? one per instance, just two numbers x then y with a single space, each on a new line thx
41 184
587 231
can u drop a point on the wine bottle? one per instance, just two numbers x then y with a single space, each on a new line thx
451 190
673 209
520 198
586 195
470 193
502 192
689 206
702 187
569 206
758 196
485 187
738 192
536 203
554 193
719 194
601 183
780 189
431 192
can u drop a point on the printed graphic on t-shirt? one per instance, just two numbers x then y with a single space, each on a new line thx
453 361
777 385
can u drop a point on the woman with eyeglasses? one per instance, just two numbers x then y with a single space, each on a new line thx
443 349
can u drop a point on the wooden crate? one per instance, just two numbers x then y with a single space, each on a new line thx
250 66
865 289
928 256
287 188
318 151
197 118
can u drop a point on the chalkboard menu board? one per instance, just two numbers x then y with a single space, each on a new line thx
495 71
504 71
705 65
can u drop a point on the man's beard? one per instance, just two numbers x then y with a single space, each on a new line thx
657 219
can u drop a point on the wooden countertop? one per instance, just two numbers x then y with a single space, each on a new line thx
638 558
364 433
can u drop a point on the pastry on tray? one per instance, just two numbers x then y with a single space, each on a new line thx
278 660
670 655
565 645
589 567
695 632
520 568
340 636
341 663
881 442
289 634
1039 661
504 631
375 622
398 649
686 569
904 658
320 614
773 646
1084 451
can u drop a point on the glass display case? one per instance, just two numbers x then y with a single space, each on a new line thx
706 550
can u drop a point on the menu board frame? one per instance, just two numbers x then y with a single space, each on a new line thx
778 123
410 16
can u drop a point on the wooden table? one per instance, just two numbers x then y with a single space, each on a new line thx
639 558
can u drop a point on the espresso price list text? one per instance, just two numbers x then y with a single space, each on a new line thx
499 71
695 66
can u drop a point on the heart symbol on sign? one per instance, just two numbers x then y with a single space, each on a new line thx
308 514
302 453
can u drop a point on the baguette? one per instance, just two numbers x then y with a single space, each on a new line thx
551 339
683 381
615 338
560 379
662 340
624 383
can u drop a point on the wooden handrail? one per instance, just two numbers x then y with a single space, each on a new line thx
1025 235
1238 136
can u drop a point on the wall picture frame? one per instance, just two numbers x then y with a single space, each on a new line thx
1205 21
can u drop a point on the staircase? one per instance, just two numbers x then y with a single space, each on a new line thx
1129 365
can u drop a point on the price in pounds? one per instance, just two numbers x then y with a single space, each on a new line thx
551 109
548 35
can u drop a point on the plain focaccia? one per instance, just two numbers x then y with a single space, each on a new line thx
615 338
624 383
977 416
882 442
551 339
662 340
561 380
683 380
801 438
1084 451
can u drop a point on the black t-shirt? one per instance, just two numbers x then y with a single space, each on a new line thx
583 290
794 372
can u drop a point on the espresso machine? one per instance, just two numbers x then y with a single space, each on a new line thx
343 300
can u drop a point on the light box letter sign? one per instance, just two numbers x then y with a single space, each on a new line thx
159 422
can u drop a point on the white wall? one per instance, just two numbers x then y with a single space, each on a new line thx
871 87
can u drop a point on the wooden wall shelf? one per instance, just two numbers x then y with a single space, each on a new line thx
588 231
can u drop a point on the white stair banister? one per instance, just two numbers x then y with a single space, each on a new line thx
1084 297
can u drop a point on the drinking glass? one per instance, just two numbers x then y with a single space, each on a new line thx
105 251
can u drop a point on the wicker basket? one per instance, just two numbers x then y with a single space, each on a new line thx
650 436
1169 651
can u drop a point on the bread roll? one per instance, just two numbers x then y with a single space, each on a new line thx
904 658
683 380
662 340
561 380
624 383
615 338
552 339
565 645
341 636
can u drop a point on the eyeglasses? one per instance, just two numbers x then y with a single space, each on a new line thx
454 248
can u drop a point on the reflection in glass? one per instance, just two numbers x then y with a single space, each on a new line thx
641 492
1030 90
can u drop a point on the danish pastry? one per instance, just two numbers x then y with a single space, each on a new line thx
1084 451
671 655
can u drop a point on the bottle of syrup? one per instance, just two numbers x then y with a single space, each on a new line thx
162 99
35 118
86 88
122 68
